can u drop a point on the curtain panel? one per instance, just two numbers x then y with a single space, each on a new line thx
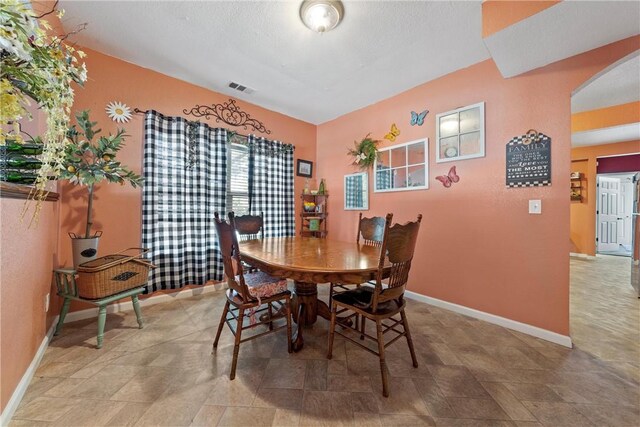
271 185
185 183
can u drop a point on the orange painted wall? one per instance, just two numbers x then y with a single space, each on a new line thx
583 214
606 117
118 209
478 246
27 258
500 14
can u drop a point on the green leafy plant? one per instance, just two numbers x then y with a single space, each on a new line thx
88 162
364 152
38 65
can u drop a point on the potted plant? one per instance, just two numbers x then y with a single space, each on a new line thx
87 162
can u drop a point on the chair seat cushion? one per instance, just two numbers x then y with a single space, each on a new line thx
361 297
262 285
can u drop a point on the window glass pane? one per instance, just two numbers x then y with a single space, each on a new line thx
400 177
416 176
383 179
470 120
239 204
449 147
470 143
449 125
416 153
398 157
383 160
239 181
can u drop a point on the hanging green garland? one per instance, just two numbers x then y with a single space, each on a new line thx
364 152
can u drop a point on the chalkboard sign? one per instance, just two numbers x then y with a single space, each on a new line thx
529 160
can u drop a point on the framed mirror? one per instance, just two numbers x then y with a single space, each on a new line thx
356 192
460 134
402 167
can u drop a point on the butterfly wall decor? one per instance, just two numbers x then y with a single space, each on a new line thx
393 133
418 119
449 178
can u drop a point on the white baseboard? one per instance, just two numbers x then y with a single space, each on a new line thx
146 302
534 331
22 386
583 256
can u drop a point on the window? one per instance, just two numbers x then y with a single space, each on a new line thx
460 134
238 178
402 167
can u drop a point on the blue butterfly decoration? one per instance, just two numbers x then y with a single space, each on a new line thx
418 119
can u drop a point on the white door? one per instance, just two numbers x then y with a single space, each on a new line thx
608 209
626 209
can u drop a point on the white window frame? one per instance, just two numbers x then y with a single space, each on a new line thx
480 106
365 192
425 141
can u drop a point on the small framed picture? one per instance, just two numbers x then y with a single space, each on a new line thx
304 168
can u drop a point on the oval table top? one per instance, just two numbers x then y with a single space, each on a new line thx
312 255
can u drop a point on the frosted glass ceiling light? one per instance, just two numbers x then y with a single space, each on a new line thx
321 15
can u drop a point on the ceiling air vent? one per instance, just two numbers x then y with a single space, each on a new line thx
241 88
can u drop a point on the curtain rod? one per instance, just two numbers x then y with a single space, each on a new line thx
139 111
136 110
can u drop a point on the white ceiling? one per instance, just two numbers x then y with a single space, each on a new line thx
619 84
563 30
380 49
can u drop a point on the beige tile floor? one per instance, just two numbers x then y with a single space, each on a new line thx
471 373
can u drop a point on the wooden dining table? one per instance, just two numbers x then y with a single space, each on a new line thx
310 261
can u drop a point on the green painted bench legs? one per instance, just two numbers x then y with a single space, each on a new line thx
69 293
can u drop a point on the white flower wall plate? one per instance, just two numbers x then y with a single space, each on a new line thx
118 112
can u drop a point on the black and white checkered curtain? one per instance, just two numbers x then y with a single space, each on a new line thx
185 183
271 185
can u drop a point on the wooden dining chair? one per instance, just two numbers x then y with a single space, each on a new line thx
370 233
247 293
380 304
249 227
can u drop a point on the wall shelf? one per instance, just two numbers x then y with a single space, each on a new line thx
576 187
314 223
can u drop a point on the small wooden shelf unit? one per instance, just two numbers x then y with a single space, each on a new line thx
576 188
314 223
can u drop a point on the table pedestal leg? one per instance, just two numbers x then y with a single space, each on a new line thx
304 309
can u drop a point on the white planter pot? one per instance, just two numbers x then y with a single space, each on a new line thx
84 249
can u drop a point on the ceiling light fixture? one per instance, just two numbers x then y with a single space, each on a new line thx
321 15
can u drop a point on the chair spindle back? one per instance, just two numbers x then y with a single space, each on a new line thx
398 247
228 242
249 227
372 229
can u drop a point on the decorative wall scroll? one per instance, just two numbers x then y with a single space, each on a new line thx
529 160
229 113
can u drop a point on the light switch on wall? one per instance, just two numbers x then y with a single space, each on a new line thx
535 207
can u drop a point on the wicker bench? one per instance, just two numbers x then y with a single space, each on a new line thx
68 289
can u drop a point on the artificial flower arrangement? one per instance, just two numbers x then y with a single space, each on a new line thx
364 152
42 67
309 206
87 162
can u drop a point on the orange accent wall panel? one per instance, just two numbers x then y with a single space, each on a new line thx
583 214
606 117
498 14
478 246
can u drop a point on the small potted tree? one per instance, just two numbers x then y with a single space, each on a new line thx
88 162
